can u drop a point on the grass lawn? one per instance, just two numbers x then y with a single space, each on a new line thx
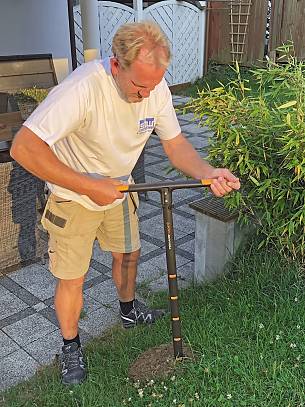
216 74
247 330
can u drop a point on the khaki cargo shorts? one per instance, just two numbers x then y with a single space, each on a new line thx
73 230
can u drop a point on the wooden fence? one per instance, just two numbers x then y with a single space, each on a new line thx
286 23
235 35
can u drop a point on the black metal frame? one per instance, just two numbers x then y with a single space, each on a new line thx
166 189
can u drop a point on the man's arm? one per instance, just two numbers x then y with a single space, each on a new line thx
36 157
184 157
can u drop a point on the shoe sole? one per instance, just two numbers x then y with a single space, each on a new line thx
73 383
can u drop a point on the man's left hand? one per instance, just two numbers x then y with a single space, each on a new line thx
223 181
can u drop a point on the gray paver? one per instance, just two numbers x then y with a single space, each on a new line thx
99 320
39 306
188 246
101 256
154 226
150 159
29 329
10 304
7 345
44 350
194 129
37 280
146 208
148 272
104 293
147 247
16 367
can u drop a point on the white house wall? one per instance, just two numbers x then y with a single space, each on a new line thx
36 27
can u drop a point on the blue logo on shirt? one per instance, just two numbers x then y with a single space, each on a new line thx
147 124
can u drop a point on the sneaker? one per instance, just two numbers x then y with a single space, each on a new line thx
141 314
73 366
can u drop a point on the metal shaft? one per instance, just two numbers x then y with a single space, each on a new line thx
166 199
165 188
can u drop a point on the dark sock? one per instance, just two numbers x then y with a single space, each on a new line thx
69 341
126 307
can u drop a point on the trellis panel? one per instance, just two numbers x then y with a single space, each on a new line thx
219 38
112 16
182 23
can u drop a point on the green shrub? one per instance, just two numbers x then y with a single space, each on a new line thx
260 136
32 95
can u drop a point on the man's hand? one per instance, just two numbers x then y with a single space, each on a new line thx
223 181
104 192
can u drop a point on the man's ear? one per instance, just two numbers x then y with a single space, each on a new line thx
114 63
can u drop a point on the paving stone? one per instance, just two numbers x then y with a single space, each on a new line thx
39 306
162 169
189 116
184 280
199 142
90 304
194 128
182 194
188 246
44 350
185 274
99 320
9 303
158 149
37 280
105 293
16 367
101 256
146 208
147 247
29 329
154 226
157 266
151 142
148 272
20 292
151 159
180 100
7 345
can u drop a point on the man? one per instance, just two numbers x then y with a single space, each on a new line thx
84 140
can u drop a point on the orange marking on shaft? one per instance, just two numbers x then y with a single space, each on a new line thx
174 298
206 181
122 188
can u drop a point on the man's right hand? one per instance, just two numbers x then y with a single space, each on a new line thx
103 191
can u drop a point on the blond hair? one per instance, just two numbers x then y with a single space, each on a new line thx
131 38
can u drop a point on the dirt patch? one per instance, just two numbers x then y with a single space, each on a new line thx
158 363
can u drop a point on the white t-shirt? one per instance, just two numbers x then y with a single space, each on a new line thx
94 131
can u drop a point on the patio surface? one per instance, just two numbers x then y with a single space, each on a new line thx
29 331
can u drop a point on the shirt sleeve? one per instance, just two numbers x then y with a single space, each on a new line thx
62 112
167 125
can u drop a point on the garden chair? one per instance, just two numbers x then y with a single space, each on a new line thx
22 241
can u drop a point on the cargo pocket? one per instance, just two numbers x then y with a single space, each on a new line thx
60 216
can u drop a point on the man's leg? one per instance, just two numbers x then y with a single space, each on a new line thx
124 273
68 305
119 234
72 230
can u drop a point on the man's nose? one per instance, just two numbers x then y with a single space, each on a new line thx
144 93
